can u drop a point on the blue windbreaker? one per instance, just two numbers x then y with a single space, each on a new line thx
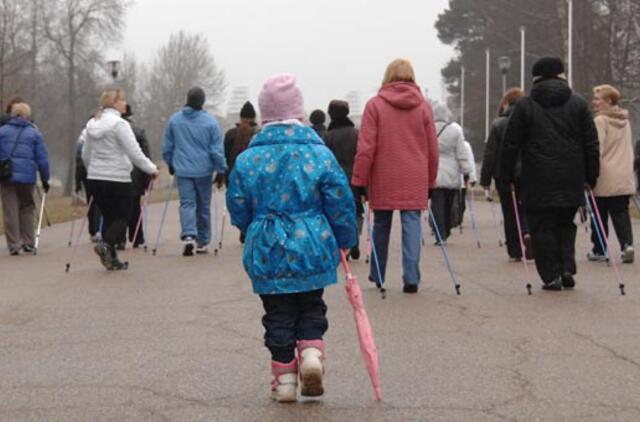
29 155
289 195
192 144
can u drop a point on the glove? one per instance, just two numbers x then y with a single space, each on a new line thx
219 180
473 184
45 186
591 184
172 171
488 195
361 192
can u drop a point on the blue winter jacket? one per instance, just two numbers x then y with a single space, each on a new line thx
192 144
289 195
29 155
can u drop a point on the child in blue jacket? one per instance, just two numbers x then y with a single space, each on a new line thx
289 196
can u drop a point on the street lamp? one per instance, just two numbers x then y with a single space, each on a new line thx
504 63
113 67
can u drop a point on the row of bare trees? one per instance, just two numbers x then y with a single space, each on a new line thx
52 54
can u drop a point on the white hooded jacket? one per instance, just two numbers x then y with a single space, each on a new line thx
110 149
455 161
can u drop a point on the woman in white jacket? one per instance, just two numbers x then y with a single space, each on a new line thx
455 163
109 154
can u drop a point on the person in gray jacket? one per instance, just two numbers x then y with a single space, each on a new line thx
110 152
454 164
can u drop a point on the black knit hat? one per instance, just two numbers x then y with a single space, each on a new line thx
196 98
548 68
317 117
338 109
247 111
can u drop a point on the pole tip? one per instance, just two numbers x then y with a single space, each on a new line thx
383 292
622 292
529 289
154 252
67 267
458 289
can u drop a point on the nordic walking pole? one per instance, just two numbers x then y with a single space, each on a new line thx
383 291
612 260
75 246
164 214
145 204
216 239
46 213
73 222
495 222
224 220
472 209
42 203
599 235
516 210
368 220
146 228
454 279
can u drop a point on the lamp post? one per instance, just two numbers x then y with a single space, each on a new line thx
488 94
570 43
462 76
523 56
504 63
113 68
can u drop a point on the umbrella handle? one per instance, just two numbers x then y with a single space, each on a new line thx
345 262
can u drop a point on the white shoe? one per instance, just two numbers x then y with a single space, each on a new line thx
189 246
201 250
284 384
311 368
628 255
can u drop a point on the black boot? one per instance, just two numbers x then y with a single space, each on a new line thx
554 285
355 253
103 250
567 281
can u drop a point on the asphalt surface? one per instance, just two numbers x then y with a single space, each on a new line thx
180 339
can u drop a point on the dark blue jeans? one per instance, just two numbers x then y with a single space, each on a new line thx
292 317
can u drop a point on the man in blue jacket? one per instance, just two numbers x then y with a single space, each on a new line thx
193 149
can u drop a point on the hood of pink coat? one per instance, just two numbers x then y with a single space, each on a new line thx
402 95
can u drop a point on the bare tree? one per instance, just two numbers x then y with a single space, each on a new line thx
13 55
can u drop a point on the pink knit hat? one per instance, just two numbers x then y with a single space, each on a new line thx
281 99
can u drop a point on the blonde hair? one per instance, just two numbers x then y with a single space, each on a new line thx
609 93
108 99
399 70
21 110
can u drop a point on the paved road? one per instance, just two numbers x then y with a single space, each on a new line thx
180 339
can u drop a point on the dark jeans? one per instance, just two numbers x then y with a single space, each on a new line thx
553 233
114 200
292 317
510 224
136 210
618 208
359 219
441 206
94 212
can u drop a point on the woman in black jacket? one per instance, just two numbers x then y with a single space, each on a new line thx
490 171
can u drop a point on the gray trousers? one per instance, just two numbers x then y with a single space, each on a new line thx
18 211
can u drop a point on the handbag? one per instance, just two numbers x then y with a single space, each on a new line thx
6 170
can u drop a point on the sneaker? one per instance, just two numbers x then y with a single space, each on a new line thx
410 288
567 281
596 257
555 285
628 255
201 250
28 248
14 252
189 246
104 253
528 247
355 253
311 358
284 384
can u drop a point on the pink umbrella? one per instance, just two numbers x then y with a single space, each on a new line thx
365 334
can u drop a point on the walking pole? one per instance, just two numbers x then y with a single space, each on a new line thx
224 219
73 221
216 239
46 213
495 223
383 291
368 217
599 235
595 211
472 209
145 204
164 214
454 279
145 228
75 246
516 210
42 202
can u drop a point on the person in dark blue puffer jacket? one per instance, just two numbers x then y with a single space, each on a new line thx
22 143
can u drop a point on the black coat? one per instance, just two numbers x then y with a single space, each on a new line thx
490 162
139 179
343 142
554 132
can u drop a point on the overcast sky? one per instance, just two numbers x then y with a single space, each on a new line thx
332 46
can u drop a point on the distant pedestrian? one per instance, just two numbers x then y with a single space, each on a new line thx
110 152
289 195
318 119
553 131
139 183
490 170
616 182
454 167
342 140
237 139
193 150
22 145
397 161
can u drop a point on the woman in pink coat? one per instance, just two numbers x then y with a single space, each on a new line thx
397 161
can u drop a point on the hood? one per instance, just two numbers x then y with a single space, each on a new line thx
19 122
97 127
283 133
402 95
190 113
551 92
441 113
617 116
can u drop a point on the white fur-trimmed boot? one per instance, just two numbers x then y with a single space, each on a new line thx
311 358
284 384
